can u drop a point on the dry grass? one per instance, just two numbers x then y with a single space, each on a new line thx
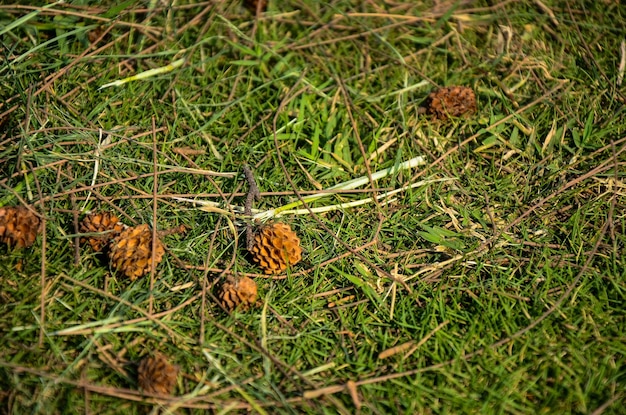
497 285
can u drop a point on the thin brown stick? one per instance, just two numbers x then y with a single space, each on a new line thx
76 226
155 241
253 194
600 409
205 282
44 245
42 282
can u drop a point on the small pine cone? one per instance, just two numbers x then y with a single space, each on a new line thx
253 4
131 251
276 246
105 224
18 226
237 292
156 375
454 101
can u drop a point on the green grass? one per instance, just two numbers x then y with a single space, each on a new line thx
502 288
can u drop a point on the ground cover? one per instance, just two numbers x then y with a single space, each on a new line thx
482 273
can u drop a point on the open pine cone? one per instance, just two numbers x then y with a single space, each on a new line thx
105 224
18 226
237 292
131 251
156 375
454 101
276 246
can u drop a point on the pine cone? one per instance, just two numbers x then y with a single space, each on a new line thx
156 375
454 101
131 251
275 246
18 226
253 4
103 223
237 292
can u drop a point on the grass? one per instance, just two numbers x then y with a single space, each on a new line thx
497 290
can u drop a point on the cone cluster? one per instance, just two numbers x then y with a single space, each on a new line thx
129 248
237 293
156 375
19 226
454 101
275 247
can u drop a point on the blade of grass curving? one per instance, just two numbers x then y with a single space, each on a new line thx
52 41
146 74
27 17
354 183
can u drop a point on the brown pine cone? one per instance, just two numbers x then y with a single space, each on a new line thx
276 246
237 293
156 375
131 251
454 101
105 224
18 226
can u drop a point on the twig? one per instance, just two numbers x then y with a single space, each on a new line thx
42 305
622 63
607 404
253 194
44 244
547 11
155 169
180 229
76 230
